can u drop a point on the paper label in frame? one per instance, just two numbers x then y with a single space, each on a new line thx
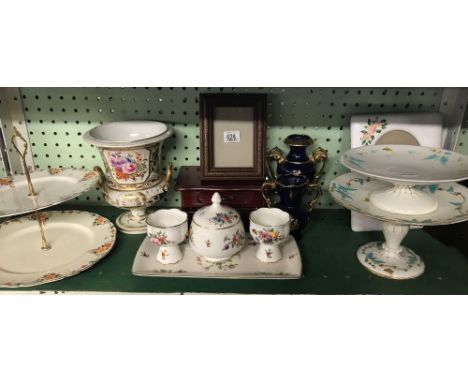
232 136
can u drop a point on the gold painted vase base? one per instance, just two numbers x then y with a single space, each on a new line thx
126 225
403 265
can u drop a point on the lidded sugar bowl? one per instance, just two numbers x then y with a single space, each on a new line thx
216 231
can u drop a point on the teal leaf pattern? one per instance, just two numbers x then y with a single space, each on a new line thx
344 191
442 156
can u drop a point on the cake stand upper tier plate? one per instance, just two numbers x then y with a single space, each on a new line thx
352 190
405 164
53 186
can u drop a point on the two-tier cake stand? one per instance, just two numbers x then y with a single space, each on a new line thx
402 186
48 246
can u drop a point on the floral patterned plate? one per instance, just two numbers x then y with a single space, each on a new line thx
53 186
78 239
406 164
352 191
243 265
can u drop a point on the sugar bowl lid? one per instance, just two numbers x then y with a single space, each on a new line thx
216 215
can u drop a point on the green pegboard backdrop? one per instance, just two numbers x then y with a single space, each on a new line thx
58 117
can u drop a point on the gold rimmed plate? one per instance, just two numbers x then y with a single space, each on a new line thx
53 186
78 240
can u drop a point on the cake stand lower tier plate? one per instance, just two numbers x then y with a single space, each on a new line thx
390 259
352 191
243 265
78 239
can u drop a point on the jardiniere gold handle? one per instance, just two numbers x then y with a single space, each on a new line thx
102 176
168 175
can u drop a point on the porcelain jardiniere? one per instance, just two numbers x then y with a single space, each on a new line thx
269 227
131 155
167 229
216 232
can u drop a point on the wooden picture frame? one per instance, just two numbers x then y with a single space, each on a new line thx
232 136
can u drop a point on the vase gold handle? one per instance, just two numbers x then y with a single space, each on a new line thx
277 155
319 155
268 187
313 188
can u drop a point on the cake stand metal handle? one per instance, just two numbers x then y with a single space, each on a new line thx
22 153
45 246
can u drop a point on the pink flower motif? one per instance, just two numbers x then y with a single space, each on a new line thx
371 129
366 136
117 160
129 168
156 241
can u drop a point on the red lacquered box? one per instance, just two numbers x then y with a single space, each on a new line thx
244 196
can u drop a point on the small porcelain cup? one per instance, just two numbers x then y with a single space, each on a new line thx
269 227
167 229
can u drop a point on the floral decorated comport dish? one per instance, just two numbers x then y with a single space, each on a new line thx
216 232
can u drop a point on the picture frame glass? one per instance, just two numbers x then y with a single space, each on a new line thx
233 136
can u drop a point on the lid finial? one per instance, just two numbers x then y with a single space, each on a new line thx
216 198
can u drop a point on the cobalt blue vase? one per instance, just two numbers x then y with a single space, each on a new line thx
296 175
291 190
297 161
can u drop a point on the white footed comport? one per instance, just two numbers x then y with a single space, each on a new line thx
404 168
390 259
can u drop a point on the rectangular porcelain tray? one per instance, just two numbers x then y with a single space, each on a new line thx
243 265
